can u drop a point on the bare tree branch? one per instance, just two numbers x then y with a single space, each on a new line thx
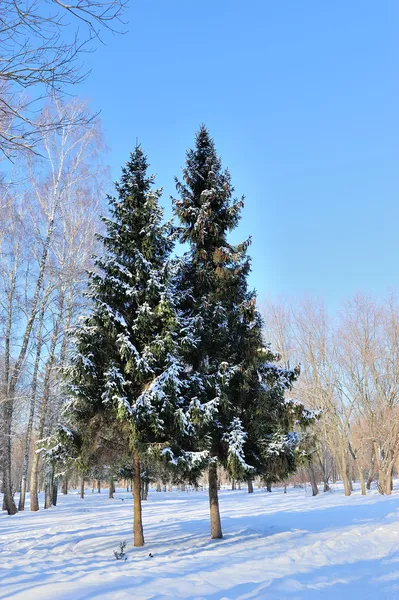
42 43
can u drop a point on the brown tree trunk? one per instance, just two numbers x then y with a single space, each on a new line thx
312 477
250 486
98 486
326 487
347 488
65 485
360 470
362 481
111 487
216 527
82 487
145 489
55 491
387 484
48 486
137 515
34 498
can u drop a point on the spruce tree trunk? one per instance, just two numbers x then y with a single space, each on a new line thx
144 489
55 491
216 527
137 515
82 487
65 485
111 487
250 486
233 484
158 486
98 486
269 487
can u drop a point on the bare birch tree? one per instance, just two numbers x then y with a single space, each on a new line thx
42 44
72 165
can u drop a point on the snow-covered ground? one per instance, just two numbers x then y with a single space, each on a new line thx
276 546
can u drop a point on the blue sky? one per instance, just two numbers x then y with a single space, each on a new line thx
302 100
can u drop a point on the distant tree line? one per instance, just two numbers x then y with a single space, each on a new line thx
350 373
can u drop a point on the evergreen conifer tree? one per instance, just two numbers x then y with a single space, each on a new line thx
214 278
237 391
126 368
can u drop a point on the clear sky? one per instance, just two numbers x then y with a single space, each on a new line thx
302 99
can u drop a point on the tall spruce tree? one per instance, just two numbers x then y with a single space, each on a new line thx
214 278
237 391
125 368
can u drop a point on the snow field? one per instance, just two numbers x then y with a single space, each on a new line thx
276 546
